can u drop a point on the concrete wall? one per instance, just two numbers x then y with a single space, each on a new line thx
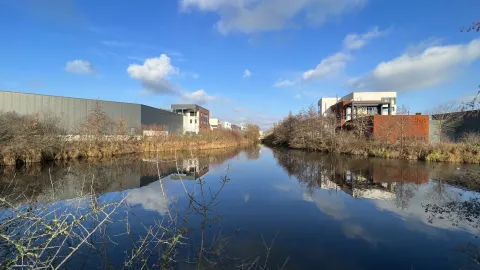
159 117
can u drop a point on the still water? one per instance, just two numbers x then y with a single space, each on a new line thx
258 208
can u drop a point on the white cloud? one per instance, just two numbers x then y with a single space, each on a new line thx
432 66
328 67
247 73
253 16
298 96
356 41
282 83
155 74
199 97
79 67
334 64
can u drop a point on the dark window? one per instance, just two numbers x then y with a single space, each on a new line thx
192 113
195 121
190 121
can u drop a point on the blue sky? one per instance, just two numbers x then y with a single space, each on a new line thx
245 60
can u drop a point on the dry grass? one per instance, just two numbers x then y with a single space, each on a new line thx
310 131
27 139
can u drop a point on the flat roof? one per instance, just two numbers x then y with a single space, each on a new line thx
187 106
90 99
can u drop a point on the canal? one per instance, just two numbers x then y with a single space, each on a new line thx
253 208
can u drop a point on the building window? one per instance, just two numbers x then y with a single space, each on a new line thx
190 121
195 121
192 113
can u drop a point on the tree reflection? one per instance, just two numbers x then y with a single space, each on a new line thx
358 177
73 179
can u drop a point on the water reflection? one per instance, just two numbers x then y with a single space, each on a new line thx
401 187
76 178
386 214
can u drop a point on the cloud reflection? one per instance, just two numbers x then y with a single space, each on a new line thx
150 198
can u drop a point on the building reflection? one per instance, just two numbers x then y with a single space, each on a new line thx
74 179
191 169
358 177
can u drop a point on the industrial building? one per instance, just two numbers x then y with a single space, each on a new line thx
74 111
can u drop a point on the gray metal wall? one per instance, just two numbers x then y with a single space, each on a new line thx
159 117
470 123
73 111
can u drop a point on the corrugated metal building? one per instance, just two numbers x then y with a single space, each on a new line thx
73 111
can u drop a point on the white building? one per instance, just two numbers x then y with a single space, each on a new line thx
390 97
195 118
364 103
215 123
227 125
324 105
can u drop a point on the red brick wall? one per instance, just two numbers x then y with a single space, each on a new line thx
389 127
204 119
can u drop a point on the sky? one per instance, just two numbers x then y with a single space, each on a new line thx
244 60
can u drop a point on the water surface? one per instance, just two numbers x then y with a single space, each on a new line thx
272 207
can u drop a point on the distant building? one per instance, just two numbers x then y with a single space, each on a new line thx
195 118
215 123
358 104
227 125
236 128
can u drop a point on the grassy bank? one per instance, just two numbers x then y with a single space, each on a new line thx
310 131
28 139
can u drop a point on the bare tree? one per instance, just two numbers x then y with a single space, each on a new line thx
446 118
475 103
474 27
252 133
402 126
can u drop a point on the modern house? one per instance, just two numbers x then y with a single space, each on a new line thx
358 104
374 113
236 128
215 123
195 118
227 125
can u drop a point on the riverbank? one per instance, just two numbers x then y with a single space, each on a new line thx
26 139
62 150
440 152
313 132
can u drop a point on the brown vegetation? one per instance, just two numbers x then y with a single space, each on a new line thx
29 139
311 131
